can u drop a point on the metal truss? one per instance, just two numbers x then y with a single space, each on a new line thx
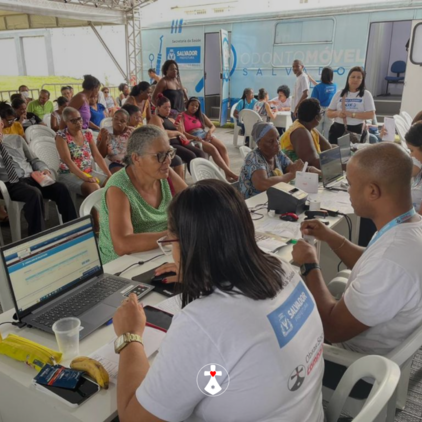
123 5
133 46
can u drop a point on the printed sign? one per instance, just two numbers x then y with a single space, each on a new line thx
184 55
289 318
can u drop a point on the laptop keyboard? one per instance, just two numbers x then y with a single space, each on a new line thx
82 302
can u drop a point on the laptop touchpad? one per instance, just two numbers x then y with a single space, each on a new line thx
99 314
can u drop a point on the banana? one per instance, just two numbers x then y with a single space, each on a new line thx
93 368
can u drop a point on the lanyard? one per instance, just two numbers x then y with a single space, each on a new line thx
393 223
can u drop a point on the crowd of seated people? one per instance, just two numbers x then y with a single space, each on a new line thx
145 201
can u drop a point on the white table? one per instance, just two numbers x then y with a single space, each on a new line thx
19 401
283 119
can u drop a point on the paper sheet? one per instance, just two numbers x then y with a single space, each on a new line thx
173 305
270 245
308 182
334 200
390 127
277 227
152 339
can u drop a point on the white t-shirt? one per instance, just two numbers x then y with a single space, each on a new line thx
354 103
417 191
271 349
280 105
301 84
384 290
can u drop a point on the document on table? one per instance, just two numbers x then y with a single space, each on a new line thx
334 200
172 305
152 339
285 229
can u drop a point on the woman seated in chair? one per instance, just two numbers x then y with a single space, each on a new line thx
263 106
134 206
11 125
301 140
56 116
194 125
184 148
110 101
140 96
113 145
266 165
238 310
78 153
98 113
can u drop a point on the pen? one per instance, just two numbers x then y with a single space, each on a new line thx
305 167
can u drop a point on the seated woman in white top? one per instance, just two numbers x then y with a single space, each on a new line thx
263 106
358 105
248 326
414 143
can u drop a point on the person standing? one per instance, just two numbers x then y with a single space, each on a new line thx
301 90
351 107
324 93
42 106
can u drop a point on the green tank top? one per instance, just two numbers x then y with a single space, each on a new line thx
145 218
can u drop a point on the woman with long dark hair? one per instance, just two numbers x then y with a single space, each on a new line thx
171 87
184 148
351 107
248 329
198 127
140 96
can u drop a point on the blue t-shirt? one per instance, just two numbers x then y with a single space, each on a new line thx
244 104
256 161
324 93
97 115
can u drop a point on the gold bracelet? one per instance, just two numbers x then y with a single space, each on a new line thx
344 241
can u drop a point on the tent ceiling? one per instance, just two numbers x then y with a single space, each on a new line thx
37 14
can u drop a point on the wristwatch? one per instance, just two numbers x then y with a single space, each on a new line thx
353 114
305 269
122 341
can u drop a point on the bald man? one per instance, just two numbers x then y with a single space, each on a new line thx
382 304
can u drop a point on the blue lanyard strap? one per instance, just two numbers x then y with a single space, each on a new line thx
393 223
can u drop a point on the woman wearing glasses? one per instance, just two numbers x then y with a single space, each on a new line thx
134 206
247 343
197 127
11 125
110 101
78 153
301 140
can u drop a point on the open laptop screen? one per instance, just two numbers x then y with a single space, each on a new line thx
344 145
48 264
331 167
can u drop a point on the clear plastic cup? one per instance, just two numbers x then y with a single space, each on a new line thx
67 336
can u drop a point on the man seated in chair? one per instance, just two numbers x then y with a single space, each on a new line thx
382 303
16 165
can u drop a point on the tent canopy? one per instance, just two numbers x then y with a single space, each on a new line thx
37 14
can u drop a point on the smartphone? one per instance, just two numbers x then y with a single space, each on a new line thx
74 398
156 318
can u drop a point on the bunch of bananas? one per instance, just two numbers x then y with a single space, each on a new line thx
93 368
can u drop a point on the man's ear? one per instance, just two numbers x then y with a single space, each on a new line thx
373 191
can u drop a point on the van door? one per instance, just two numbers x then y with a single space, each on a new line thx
224 76
412 92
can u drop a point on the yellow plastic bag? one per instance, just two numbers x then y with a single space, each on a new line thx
28 351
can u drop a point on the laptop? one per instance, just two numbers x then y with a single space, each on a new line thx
58 273
332 170
345 149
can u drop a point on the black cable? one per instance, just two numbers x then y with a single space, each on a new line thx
7 322
137 263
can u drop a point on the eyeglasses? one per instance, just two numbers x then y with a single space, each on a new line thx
162 156
77 120
166 244
106 92
10 121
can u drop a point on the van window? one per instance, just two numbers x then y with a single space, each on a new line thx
308 32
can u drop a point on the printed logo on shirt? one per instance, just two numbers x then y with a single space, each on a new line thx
289 318
297 378
213 380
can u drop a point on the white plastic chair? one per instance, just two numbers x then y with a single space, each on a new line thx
407 118
386 375
47 120
45 149
237 129
202 169
90 202
37 131
244 151
249 118
401 128
106 122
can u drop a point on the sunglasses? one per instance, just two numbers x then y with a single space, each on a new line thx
162 156
77 120
166 244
